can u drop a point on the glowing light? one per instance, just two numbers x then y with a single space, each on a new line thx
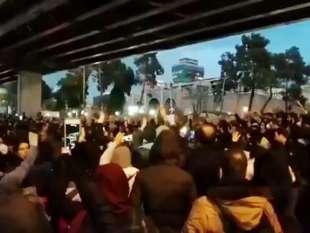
69 114
84 113
141 110
117 113
132 110
183 131
152 112
245 109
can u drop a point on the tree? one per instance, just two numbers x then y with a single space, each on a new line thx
293 72
46 91
116 100
148 68
229 71
73 88
11 97
254 61
122 78
248 66
271 81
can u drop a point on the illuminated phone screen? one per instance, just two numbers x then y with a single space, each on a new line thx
72 132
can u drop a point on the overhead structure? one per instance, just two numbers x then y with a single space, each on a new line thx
47 35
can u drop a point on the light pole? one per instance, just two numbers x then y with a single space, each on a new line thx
223 93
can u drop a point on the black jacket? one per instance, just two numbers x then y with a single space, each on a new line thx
166 193
204 164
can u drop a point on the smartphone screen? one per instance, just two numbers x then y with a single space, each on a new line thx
72 128
128 138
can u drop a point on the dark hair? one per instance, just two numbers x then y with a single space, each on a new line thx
223 124
46 152
270 134
306 119
86 154
202 137
234 166
156 153
17 144
149 134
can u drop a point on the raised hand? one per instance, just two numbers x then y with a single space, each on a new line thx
235 136
119 139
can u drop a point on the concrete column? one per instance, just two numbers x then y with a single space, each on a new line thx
29 91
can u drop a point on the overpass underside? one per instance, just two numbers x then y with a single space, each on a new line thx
43 36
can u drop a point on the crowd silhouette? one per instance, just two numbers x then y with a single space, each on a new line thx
148 175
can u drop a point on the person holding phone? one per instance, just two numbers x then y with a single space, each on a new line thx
13 179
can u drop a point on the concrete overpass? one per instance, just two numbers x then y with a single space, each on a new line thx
42 36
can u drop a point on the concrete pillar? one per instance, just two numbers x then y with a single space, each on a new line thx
29 91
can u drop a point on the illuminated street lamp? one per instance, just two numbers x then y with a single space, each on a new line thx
133 110
152 112
245 109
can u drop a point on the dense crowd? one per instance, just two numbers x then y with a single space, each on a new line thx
151 175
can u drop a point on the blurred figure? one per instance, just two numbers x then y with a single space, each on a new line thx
112 183
18 214
164 190
149 136
232 208
123 157
23 150
206 159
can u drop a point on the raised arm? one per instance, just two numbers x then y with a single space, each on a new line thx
13 179
106 157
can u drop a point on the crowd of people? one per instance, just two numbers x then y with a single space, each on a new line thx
149 175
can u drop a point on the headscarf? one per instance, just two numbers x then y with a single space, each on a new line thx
122 157
166 147
113 183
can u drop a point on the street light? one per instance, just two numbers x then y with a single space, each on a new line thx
245 109
141 110
152 112
132 110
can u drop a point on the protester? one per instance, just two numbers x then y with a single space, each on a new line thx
163 190
206 158
144 174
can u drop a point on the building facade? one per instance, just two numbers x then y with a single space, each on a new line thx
187 70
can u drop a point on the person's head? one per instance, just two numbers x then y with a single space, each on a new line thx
122 156
234 166
87 155
112 182
206 133
149 134
166 148
23 150
277 137
49 132
224 126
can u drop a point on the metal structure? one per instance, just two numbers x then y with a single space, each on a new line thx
48 35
